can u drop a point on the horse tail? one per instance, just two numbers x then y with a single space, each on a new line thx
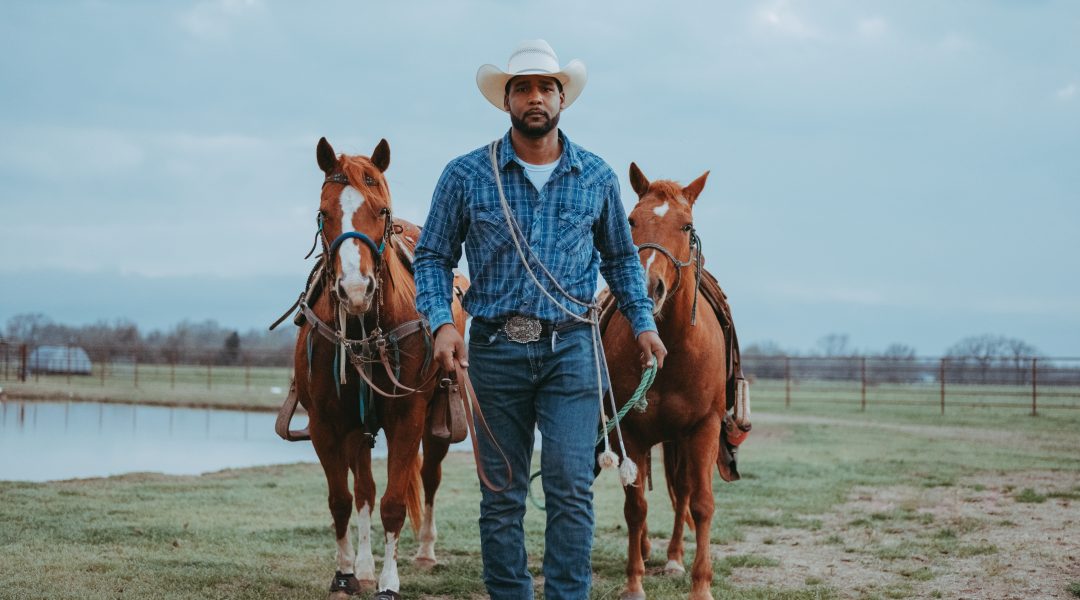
671 472
414 505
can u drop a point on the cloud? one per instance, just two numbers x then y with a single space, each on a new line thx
1068 92
778 17
214 20
872 27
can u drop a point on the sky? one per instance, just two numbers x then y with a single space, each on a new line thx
897 172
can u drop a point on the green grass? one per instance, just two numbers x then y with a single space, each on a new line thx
1030 496
254 388
1074 588
264 532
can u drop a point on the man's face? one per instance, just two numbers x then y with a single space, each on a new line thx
534 103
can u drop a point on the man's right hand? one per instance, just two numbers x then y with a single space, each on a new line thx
450 349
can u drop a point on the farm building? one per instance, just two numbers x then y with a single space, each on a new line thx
59 359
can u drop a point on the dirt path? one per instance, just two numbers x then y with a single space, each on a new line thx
978 539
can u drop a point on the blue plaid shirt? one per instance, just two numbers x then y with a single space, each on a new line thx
576 226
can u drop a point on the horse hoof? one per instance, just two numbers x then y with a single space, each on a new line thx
424 563
706 595
387 595
674 568
632 596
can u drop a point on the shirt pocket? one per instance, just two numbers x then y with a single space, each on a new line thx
575 236
489 229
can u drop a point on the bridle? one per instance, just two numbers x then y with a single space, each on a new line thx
695 260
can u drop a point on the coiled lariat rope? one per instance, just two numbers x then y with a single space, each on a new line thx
608 459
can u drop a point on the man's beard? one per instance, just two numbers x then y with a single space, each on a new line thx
536 132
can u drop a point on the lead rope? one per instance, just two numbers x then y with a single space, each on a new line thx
608 459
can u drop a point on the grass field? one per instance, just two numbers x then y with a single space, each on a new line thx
246 388
832 505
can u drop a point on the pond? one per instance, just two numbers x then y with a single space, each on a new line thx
44 441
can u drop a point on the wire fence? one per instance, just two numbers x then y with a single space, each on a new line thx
1032 384
259 379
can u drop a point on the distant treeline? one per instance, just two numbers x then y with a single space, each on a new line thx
186 342
984 359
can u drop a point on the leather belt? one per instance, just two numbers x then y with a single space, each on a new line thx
523 329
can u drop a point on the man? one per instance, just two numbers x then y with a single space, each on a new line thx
534 364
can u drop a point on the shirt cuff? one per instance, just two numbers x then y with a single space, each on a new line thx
438 318
642 322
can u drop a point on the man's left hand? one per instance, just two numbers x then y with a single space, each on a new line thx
650 345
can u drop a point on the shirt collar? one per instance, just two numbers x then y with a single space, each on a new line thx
569 159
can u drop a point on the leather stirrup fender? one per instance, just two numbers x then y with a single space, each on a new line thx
285 415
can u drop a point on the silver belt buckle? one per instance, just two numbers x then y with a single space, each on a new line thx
522 329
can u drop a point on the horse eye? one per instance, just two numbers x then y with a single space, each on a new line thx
630 221
368 179
688 227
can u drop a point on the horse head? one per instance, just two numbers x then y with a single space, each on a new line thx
354 217
662 224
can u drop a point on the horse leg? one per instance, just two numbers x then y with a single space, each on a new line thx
402 483
330 450
635 510
364 492
431 473
700 464
678 489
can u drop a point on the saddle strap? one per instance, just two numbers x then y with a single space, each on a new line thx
285 415
474 415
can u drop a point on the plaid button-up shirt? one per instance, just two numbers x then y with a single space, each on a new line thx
575 225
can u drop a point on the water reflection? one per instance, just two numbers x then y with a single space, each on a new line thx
41 441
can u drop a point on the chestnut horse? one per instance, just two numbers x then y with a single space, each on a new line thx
366 315
687 404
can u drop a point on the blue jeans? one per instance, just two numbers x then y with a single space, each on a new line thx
549 384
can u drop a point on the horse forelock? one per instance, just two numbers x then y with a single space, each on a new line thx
358 169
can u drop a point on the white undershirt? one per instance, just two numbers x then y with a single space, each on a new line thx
538 174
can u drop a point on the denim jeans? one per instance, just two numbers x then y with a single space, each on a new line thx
549 384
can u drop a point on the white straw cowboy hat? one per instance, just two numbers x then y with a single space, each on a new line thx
531 57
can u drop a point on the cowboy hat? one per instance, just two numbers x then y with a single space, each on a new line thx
531 57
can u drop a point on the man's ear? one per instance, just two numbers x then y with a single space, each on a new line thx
506 102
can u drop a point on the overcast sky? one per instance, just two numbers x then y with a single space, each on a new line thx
903 171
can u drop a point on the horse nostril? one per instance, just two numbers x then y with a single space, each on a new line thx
370 286
341 290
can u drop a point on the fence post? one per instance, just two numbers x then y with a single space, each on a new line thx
24 363
941 376
1034 385
863 403
136 370
787 382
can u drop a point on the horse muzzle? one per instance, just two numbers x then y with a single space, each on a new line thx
356 293
658 292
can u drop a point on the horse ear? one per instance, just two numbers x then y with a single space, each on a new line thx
692 191
381 156
638 180
324 152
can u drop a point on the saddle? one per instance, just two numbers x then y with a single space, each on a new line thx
736 424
